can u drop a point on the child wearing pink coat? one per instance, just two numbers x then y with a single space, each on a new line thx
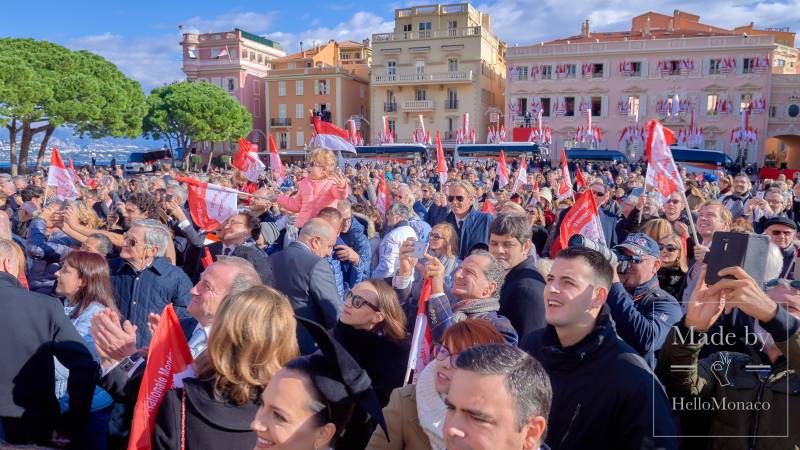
322 188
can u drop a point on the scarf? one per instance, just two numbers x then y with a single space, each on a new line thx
466 308
431 410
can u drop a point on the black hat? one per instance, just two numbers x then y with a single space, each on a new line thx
781 220
342 383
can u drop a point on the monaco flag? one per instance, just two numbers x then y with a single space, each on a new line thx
275 164
583 219
502 171
420 356
169 354
247 161
565 188
382 199
665 176
331 137
522 175
210 204
441 164
59 177
579 177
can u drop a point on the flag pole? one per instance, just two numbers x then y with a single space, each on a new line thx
691 219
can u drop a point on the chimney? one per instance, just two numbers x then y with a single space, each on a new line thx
585 29
301 46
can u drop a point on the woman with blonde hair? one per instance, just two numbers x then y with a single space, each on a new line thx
253 336
673 264
657 229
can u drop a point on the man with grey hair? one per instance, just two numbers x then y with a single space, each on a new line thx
405 196
389 248
508 390
143 280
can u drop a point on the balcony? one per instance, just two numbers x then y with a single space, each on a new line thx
280 122
427 34
418 105
423 78
451 104
389 107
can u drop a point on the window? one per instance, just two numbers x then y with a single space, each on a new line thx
745 102
391 68
780 63
597 71
597 106
420 94
244 54
282 110
231 85
674 67
452 28
260 58
323 87
633 106
281 88
424 29
547 72
392 126
452 98
290 65
256 87
545 106
711 104
748 65
714 67
215 53
192 53
299 110
772 111
452 65
571 70
252 56
449 133
298 87
283 140
300 139
632 69
420 65
256 107
406 27
522 73
569 105
522 106
710 143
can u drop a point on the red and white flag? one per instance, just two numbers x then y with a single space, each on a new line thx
92 184
502 171
60 178
247 161
275 164
168 355
579 177
665 173
441 163
583 219
210 204
382 197
565 188
522 175
331 137
420 355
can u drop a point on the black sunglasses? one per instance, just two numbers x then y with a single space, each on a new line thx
358 301
668 247
459 198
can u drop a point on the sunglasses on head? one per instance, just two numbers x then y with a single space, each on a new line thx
458 198
358 301
794 284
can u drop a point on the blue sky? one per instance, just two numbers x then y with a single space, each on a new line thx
142 38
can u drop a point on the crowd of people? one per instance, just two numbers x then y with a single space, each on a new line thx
299 310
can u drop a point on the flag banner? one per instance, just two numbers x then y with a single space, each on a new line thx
169 354
275 164
579 177
210 204
419 356
441 163
583 219
522 175
665 176
330 137
502 171
60 178
382 197
247 161
565 188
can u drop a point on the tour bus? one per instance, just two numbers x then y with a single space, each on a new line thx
146 160
388 152
596 155
511 150
700 160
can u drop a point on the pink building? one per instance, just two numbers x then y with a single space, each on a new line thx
238 62
626 78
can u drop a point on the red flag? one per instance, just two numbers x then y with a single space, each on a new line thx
579 177
659 157
383 201
419 356
275 164
522 175
582 218
441 163
331 137
565 188
207 259
488 207
60 178
247 161
169 354
210 204
502 171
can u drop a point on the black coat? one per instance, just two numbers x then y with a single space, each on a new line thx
385 361
603 392
209 423
522 298
33 330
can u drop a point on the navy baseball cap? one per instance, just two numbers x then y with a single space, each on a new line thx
641 244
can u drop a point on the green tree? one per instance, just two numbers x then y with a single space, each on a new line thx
194 111
44 85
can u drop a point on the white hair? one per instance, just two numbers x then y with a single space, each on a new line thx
774 263
155 235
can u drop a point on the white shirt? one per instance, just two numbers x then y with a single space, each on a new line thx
389 251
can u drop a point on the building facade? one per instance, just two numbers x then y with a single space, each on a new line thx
238 62
439 62
330 81
626 78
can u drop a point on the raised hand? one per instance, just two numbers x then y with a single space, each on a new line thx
113 342
744 293
703 308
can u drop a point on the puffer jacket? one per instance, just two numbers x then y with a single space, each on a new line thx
45 253
730 379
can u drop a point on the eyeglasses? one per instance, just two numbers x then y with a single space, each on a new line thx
358 301
458 198
668 247
673 201
442 354
599 194
131 241
435 236
782 233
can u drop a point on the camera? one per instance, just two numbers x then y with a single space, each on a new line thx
622 260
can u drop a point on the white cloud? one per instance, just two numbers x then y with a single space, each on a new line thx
360 26
250 21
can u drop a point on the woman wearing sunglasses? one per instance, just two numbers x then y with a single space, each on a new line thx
415 413
673 264
372 328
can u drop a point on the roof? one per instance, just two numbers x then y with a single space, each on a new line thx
631 36
350 44
259 39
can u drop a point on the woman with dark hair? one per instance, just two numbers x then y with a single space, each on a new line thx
84 281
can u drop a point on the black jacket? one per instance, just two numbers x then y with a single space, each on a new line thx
522 298
603 392
209 423
33 330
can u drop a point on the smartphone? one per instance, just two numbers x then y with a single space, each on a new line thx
760 195
168 198
527 187
729 249
419 249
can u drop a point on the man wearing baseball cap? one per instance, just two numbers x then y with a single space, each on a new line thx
642 311
782 231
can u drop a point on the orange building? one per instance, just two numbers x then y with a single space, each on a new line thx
330 80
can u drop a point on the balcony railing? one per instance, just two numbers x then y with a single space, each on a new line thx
414 77
451 104
390 107
418 105
280 122
426 34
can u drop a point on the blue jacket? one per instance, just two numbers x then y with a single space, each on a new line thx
140 293
474 231
644 319
356 238
45 254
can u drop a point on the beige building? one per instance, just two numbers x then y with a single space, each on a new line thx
441 61
330 80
